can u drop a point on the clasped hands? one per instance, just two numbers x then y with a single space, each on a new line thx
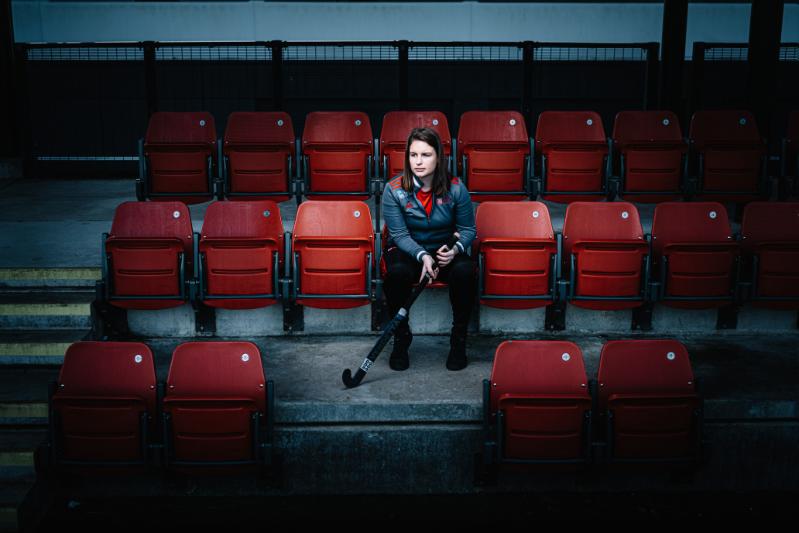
444 256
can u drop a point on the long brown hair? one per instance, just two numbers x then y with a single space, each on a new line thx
440 184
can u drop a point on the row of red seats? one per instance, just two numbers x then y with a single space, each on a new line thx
602 259
106 408
153 260
605 261
540 407
217 409
647 159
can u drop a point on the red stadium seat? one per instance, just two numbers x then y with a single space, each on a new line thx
770 240
695 254
148 255
517 255
573 153
604 252
648 402
216 403
397 125
539 402
337 154
493 155
103 408
241 250
651 155
333 254
258 154
731 155
178 157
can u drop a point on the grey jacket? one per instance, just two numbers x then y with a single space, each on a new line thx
413 232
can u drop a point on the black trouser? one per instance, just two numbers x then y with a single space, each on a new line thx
403 271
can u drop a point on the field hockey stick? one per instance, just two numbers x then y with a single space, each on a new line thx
353 381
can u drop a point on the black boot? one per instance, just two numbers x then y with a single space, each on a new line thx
399 354
457 349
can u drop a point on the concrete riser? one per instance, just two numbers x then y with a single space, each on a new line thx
432 315
429 459
17 322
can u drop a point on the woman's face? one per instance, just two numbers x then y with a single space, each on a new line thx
422 158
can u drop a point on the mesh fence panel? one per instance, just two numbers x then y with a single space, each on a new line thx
86 54
340 53
214 53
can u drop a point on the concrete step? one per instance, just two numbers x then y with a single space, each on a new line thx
12 496
23 413
37 347
52 278
17 473
50 309
16 449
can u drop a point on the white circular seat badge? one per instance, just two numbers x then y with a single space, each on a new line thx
666 122
138 358
590 122
356 214
435 122
358 122
565 357
280 122
245 357
712 214
176 214
536 214
202 123
671 356
625 215
512 122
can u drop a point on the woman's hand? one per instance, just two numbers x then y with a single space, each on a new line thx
444 255
428 267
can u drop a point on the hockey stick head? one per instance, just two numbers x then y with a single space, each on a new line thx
349 380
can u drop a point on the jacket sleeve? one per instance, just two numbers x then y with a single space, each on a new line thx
464 219
397 229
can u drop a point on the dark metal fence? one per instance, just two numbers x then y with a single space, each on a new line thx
85 105
720 75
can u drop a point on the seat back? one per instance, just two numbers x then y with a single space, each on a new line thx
333 254
539 390
215 398
770 239
180 156
516 248
648 400
104 404
397 125
148 255
730 154
574 150
337 150
493 152
604 251
694 254
241 250
650 152
258 150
